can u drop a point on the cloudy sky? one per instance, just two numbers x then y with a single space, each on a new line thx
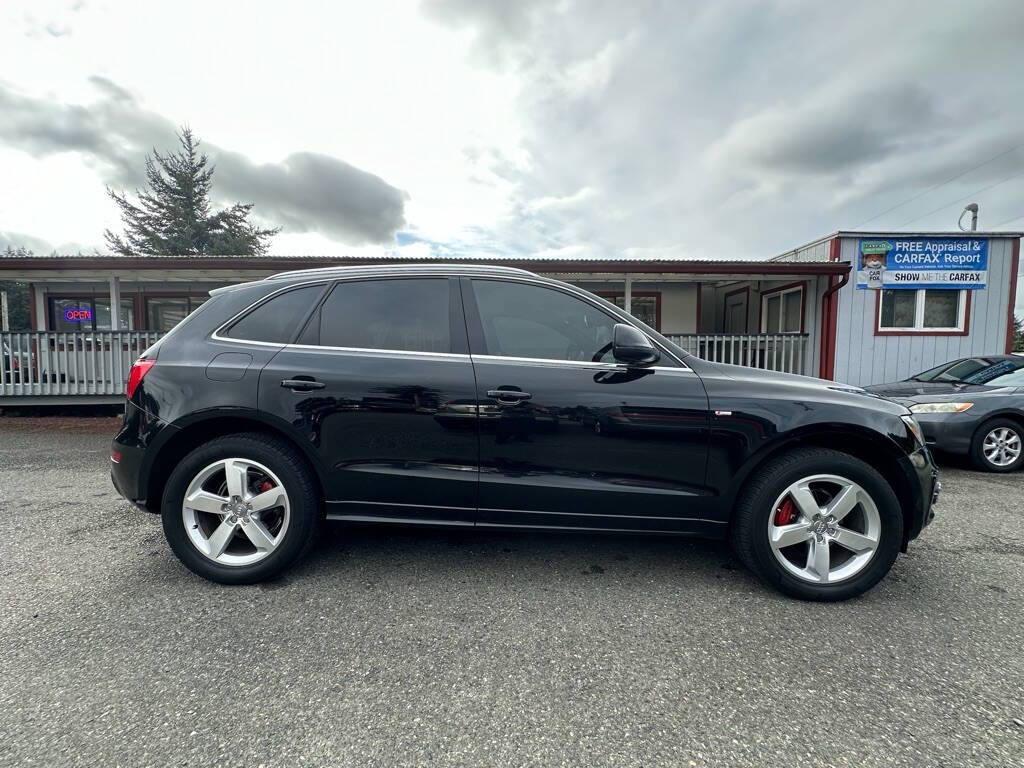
559 127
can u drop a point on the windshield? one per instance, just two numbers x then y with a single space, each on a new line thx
995 372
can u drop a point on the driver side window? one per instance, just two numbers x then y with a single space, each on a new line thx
522 320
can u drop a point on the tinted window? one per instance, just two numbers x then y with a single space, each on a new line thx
278 319
410 315
961 370
532 321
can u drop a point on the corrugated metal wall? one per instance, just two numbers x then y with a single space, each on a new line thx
863 358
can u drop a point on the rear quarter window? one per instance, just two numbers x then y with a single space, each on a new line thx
278 319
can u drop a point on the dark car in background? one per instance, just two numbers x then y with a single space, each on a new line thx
972 406
487 397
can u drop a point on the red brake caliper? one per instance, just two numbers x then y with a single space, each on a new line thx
265 486
786 512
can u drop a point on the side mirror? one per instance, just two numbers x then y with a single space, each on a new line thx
631 347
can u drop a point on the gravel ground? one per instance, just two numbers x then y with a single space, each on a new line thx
431 648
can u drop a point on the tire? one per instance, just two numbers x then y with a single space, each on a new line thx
876 515
286 528
993 430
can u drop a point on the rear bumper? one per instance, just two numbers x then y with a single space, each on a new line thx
129 455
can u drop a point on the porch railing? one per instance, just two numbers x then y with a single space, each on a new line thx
786 352
35 363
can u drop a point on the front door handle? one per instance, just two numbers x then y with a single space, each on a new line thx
302 384
508 395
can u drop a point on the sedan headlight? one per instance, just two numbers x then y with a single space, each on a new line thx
940 407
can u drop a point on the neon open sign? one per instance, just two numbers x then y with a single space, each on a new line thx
77 314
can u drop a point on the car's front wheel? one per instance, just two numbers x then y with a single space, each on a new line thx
998 446
240 509
818 524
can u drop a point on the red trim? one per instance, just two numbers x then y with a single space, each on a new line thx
833 249
1010 312
32 307
802 285
746 313
923 331
656 295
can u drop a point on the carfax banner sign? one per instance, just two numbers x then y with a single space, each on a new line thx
927 262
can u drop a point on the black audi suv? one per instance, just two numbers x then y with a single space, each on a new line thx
489 397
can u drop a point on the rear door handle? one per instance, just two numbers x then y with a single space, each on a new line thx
302 384
508 395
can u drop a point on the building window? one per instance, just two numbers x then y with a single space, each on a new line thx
782 310
923 311
165 312
645 307
88 313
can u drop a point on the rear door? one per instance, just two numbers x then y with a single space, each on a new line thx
380 385
568 437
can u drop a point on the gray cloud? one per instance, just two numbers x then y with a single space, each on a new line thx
744 128
304 192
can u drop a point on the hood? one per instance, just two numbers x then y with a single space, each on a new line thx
801 386
927 391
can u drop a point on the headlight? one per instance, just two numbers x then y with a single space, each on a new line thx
915 428
940 407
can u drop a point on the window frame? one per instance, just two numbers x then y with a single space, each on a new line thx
194 301
611 296
963 327
780 291
90 300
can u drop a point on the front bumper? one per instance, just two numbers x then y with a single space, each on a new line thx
950 432
924 475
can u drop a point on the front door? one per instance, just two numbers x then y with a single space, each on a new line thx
736 312
567 436
380 386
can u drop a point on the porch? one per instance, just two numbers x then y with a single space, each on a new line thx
92 316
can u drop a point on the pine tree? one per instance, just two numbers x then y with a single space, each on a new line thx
173 216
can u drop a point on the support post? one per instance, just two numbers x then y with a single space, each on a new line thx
628 296
115 303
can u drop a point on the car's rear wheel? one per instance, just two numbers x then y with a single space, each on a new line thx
998 446
240 509
818 524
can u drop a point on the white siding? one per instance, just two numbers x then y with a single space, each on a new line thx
863 358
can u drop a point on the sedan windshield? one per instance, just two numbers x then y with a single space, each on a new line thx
994 372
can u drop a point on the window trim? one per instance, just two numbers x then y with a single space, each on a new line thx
470 314
92 298
779 291
610 296
963 317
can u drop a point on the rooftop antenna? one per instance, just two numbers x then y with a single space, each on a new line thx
973 208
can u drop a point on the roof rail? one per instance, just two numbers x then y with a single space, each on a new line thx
398 269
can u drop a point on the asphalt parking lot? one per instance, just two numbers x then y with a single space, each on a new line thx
431 648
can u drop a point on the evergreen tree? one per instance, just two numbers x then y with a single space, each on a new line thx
1018 335
174 217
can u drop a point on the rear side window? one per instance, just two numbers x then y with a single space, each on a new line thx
408 315
278 319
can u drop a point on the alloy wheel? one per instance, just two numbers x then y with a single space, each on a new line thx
1001 447
824 529
236 512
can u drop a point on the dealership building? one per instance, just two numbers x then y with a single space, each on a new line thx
857 307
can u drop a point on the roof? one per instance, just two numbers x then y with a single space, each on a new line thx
376 269
277 263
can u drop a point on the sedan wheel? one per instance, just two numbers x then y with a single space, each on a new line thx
1001 447
824 529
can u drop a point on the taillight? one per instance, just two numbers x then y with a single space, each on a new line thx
135 376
